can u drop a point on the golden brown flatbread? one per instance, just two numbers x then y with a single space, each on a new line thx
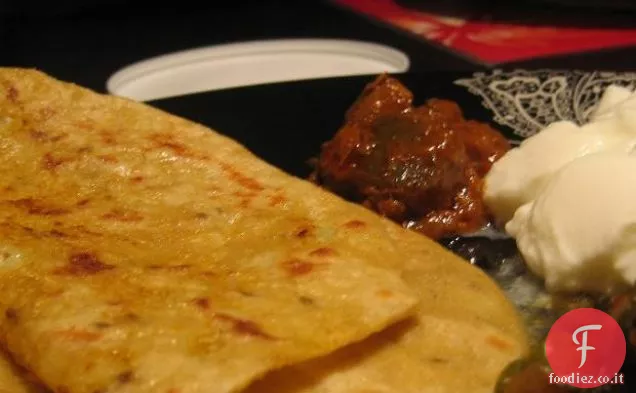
137 205
140 252
463 336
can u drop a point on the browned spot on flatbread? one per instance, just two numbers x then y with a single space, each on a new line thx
498 343
39 135
131 317
385 293
355 224
323 252
245 198
297 267
11 314
12 93
107 137
167 141
102 325
137 179
76 334
123 215
243 326
245 293
126 377
28 230
51 163
57 234
304 231
306 300
202 302
244 194
42 136
238 177
83 202
57 138
85 231
277 199
84 264
38 208
53 293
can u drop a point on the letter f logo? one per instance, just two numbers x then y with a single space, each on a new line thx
583 344
572 331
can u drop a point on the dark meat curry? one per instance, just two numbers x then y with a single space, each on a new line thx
420 166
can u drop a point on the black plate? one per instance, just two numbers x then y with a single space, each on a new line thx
286 123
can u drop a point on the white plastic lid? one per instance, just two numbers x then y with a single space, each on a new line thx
252 63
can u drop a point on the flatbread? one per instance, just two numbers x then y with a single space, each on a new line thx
14 380
463 336
140 252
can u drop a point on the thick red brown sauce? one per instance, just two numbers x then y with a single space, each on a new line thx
420 166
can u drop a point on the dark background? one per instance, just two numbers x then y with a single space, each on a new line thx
86 41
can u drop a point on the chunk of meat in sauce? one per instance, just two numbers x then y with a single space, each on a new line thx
420 166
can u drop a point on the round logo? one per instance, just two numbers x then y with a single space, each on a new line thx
585 349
